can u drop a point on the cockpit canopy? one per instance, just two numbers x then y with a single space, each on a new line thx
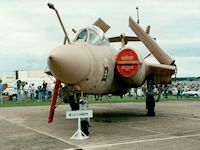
92 34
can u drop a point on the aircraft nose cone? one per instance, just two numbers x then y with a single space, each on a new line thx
69 63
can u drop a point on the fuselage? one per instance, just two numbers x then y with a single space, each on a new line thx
88 66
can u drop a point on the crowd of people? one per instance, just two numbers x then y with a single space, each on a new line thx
33 92
175 88
178 88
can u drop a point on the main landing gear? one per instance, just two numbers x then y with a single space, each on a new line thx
150 101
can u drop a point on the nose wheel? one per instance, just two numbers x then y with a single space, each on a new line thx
85 127
79 101
85 124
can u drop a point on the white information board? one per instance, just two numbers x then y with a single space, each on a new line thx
79 114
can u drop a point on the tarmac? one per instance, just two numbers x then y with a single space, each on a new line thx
113 127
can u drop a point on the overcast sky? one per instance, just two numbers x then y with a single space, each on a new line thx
29 29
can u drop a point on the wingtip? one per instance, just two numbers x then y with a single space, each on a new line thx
130 18
131 21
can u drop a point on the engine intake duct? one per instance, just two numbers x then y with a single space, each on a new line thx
127 62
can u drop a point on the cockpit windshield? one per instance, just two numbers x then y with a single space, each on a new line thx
82 35
92 35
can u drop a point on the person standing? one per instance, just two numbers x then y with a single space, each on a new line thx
1 90
179 93
19 96
32 92
48 91
44 88
22 89
39 89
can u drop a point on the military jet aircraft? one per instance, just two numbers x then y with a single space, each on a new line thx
90 65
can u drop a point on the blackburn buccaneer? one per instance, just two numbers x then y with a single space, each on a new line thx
90 65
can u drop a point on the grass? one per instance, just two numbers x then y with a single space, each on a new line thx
105 99
26 102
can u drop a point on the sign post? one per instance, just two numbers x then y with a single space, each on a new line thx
79 135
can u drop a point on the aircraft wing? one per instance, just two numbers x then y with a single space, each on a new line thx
162 73
150 44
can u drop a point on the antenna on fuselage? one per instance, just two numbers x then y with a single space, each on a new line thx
51 6
138 17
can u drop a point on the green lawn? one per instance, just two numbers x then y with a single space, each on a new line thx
26 102
105 99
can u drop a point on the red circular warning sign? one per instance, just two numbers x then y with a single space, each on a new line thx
127 62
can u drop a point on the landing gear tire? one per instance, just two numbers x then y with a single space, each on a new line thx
150 101
85 127
150 105
151 113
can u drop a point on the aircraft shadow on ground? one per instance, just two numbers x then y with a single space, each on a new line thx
116 116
